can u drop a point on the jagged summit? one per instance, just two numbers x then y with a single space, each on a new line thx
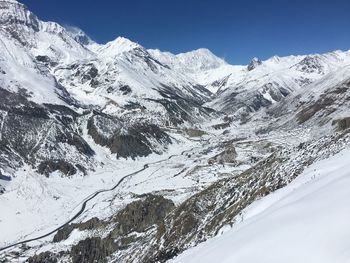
79 35
255 62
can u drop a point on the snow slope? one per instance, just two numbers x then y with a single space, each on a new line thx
307 221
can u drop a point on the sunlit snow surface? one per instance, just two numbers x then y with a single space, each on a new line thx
307 221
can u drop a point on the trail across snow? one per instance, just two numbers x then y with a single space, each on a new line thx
307 221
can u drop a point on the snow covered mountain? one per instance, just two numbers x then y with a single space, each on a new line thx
49 70
241 90
191 62
117 153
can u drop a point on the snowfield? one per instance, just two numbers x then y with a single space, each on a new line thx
307 221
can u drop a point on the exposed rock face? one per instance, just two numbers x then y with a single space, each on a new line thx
79 35
45 257
218 84
139 215
194 132
40 134
63 233
125 141
47 167
181 109
255 62
310 64
92 250
311 110
325 106
227 156
342 124
86 74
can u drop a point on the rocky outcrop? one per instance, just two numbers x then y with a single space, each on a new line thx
42 136
329 102
140 215
227 156
125 140
47 167
64 233
311 110
45 257
192 132
310 64
254 63
92 250
181 109
342 124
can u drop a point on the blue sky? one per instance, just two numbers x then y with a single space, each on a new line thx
236 30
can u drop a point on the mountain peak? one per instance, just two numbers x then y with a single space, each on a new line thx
116 47
79 35
255 62
200 59
125 43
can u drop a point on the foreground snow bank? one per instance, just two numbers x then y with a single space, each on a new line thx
307 221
